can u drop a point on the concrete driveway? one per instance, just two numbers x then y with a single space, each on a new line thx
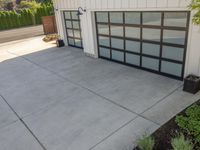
59 99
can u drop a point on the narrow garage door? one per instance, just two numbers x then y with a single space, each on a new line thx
154 41
73 29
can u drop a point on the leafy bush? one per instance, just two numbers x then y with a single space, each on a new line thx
29 4
190 122
50 37
180 143
24 17
195 5
146 143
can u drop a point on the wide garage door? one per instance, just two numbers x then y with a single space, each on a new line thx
73 29
154 41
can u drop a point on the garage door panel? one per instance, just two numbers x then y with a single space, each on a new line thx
151 18
117 43
118 55
174 37
171 68
73 29
132 46
177 19
104 52
148 40
133 18
151 49
132 59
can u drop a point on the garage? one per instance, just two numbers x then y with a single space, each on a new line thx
155 41
73 29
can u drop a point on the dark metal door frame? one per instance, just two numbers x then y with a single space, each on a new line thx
74 38
141 40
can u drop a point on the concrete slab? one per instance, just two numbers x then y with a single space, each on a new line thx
7 116
33 91
17 137
132 88
78 122
170 106
71 101
29 88
125 138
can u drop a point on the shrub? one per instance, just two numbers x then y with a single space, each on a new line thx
146 143
190 122
180 143
195 6
25 17
50 37
29 4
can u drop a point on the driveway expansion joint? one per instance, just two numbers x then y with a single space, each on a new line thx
22 121
113 133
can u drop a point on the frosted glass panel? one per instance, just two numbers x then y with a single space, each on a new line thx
132 32
171 68
105 52
104 41
151 18
70 41
74 15
178 19
150 63
70 32
103 29
151 49
132 18
116 17
117 55
173 53
67 15
78 43
77 33
172 36
69 24
133 46
102 16
117 43
132 59
117 31
76 24
151 34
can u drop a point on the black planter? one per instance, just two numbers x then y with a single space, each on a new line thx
191 84
137 148
60 43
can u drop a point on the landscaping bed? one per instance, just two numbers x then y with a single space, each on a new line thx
185 124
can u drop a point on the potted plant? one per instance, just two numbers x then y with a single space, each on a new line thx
191 84
60 43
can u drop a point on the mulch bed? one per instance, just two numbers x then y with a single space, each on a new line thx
165 133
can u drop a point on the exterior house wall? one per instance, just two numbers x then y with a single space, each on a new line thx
89 29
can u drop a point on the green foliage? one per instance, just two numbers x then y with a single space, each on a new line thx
146 143
24 17
29 4
180 143
191 122
3 4
195 5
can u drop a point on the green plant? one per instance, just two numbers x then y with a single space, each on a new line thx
180 143
190 122
25 16
146 143
195 5
29 4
